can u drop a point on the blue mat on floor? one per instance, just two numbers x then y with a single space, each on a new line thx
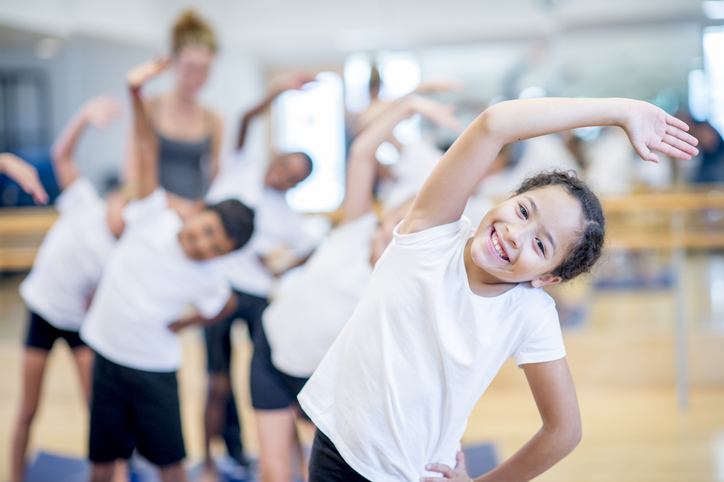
480 459
57 468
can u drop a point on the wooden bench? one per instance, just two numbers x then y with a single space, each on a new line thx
21 232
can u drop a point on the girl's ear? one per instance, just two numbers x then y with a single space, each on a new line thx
547 279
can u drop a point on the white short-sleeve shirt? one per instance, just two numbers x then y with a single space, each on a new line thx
304 320
277 227
395 390
147 283
71 258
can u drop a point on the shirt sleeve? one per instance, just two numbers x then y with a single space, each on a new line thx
436 236
544 344
146 210
79 196
211 301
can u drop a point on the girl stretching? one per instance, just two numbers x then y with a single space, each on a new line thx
448 304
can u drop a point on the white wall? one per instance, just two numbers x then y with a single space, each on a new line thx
87 66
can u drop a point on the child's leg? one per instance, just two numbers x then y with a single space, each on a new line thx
83 355
218 351
34 360
102 472
277 443
273 396
40 338
111 437
173 473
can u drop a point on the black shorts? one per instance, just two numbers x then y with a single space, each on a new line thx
134 409
218 335
327 465
42 334
271 389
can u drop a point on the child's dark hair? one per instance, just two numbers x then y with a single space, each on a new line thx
586 252
237 219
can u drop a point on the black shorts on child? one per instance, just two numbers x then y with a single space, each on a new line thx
327 465
271 389
218 335
134 409
42 334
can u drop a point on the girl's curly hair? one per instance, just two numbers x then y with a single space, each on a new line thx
584 254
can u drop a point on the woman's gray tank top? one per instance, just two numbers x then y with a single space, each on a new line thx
183 166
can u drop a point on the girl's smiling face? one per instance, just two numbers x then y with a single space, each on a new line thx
525 238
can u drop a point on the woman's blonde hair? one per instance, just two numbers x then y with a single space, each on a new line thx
190 29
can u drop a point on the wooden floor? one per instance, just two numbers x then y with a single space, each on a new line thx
621 358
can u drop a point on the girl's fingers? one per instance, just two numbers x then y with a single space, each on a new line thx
680 145
459 461
684 136
442 468
645 153
673 121
670 150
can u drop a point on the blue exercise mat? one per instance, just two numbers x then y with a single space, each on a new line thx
480 459
57 468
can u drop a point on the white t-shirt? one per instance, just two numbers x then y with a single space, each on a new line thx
395 390
276 226
304 320
70 261
147 283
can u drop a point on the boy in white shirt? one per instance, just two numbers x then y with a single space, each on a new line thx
160 265
278 234
448 304
303 320
67 268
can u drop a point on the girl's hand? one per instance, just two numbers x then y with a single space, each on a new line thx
649 127
458 475
141 74
102 111
25 175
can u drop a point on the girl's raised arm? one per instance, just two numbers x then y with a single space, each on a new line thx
442 198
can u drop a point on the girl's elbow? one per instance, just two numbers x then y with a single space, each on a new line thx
571 436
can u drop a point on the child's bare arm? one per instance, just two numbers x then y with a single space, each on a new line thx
197 319
361 165
555 396
25 175
98 112
144 138
442 199
293 81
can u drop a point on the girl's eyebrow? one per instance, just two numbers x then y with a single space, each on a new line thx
545 231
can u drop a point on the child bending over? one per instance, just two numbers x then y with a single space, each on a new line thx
161 264
448 303
302 322
67 268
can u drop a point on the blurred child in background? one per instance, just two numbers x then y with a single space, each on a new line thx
160 265
67 268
